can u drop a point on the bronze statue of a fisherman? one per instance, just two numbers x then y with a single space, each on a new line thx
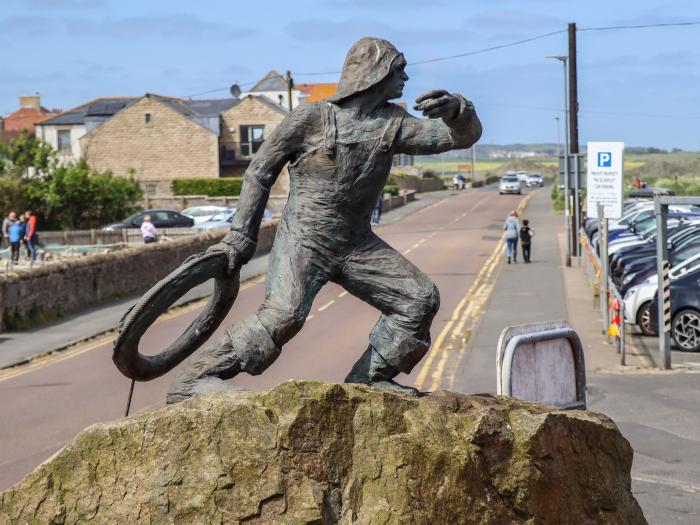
339 153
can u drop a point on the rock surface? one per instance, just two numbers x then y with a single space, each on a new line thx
317 453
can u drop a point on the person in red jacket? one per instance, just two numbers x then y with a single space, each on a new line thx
31 235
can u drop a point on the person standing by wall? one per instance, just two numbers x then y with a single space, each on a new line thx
512 228
148 230
14 238
6 223
31 234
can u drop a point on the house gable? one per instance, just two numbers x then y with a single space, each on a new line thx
157 141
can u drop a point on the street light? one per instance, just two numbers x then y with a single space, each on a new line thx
564 59
558 137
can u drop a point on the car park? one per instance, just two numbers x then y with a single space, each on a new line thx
223 220
203 213
509 184
685 310
159 217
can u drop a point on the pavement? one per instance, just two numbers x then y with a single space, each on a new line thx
656 411
17 348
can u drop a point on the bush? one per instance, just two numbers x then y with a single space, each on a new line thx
229 187
392 189
74 196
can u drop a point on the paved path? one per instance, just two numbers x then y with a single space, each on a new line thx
47 402
657 412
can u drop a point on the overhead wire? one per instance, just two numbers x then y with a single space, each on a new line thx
490 48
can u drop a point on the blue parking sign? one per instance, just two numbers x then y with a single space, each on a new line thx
604 159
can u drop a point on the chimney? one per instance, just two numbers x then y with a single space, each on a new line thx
30 101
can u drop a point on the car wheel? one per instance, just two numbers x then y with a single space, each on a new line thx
685 330
644 319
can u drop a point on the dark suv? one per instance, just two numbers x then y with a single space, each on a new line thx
159 218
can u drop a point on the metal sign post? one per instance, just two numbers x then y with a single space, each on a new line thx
604 263
664 290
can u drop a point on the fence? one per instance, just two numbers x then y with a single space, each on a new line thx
614 306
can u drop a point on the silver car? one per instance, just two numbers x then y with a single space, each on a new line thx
509 184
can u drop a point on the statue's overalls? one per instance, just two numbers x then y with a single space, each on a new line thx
324 235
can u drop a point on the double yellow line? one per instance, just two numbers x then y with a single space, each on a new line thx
452 340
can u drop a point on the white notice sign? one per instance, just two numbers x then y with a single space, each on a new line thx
605 178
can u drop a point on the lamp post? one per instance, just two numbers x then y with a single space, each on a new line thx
558 137
567 216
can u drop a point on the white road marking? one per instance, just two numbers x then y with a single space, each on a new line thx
343 294
326 305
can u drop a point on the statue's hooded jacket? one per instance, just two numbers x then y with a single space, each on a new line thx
368 62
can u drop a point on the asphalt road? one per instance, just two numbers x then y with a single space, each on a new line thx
45 405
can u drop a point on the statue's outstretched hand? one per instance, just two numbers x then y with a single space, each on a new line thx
440 104
234 256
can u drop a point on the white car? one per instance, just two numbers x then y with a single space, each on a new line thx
202 214
534 180
638 298
509 184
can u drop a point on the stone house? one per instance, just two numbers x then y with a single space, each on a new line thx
64 131
158 139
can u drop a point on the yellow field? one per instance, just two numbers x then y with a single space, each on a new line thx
483 166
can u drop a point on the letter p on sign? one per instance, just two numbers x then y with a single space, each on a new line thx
604 159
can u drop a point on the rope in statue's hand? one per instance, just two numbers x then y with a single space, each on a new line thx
221 263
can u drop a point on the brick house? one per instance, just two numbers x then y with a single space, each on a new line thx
30 113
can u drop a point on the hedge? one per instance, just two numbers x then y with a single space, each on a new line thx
392 189
229 187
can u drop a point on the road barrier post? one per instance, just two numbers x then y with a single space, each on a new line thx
664 289
603 246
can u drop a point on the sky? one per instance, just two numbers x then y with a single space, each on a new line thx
636 86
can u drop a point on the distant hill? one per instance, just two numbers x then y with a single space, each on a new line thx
502 151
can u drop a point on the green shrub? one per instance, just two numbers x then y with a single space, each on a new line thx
229 187
392 189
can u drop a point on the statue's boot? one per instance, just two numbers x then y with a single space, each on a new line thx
207 374
373 370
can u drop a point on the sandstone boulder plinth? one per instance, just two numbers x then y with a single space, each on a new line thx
317 453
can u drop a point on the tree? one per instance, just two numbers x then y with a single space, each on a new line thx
26 152
75 196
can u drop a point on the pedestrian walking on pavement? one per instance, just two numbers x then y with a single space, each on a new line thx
15 238
526 235
512 227
31 235
6 223
23 233
377 211
148 231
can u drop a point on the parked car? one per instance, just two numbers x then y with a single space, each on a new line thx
203 213
534 180
223 220
509 184
685 311
159 218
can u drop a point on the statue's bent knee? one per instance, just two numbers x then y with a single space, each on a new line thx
253 344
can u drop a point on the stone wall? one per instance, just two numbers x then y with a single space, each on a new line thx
169 146
64 288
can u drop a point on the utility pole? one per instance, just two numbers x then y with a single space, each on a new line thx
290 85
573 140
473 163
558 138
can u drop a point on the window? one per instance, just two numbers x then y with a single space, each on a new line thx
147 118
63 139
252 138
